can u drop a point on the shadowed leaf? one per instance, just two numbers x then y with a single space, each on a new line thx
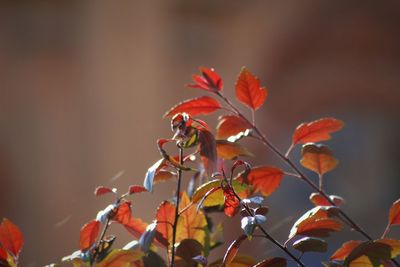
238 261
318 158
233 249
230 151
310 244
188 249
273 262
120 257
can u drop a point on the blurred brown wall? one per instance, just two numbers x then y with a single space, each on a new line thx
84 85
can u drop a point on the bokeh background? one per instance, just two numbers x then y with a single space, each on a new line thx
83 85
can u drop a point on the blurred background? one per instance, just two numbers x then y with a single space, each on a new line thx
83 86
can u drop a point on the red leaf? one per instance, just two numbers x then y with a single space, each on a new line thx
136 189
208 150
318 200
231 203
394 213
209 80
265 179
231 125
123 213
88 235
165 219
3 255
248 90
136 227
101 190
233 250
11 237
197 106
315 131
345 250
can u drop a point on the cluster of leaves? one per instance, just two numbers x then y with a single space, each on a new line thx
221 181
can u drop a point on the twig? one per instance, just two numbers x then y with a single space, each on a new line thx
288 161
178 192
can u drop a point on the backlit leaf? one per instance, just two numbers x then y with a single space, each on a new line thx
229 151
310 244
231 125
11 237
191 222
394 213
88 235
165 217
265 179
272 262
316 222
231 203
209 80
248 90
197 106
318 158
318 200
123 213
345 250
136 189
101 190
121 258
3 255
316 131
217 197
375 252
233 249
136 227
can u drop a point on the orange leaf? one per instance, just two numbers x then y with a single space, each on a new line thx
345 250
318 200
88 234
231 252
315 131
394 213
191 223
318 158
231 125
11 237
265 179
123 213
165 219
197 106
229 151
136 227
209 81
249 91
316 222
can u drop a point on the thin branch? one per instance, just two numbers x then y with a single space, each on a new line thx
103 233
178 192
289 162
268 236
